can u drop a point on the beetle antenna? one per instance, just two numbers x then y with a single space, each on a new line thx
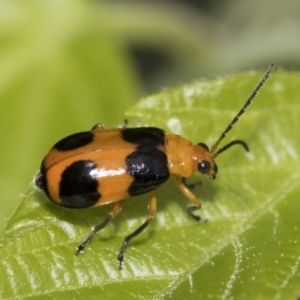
229 145
236 118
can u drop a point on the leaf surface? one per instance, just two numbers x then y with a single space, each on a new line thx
248 249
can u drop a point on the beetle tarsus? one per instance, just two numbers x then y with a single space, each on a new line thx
80 249
82 246
121 254
191 210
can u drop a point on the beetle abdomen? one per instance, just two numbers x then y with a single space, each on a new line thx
103 166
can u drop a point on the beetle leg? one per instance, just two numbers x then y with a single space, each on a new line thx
186 192
116 209
150 216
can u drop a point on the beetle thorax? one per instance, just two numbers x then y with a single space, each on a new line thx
181 158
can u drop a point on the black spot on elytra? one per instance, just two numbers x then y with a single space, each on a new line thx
148 164
78 185
144 136
74 141
149 170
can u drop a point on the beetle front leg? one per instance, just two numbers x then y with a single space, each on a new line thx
150 215
186 192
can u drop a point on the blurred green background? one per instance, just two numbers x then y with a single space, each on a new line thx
67 65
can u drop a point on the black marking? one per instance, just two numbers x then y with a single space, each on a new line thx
78 185
144 136
148 169
74 141
148 165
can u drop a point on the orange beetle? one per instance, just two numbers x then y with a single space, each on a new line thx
105 166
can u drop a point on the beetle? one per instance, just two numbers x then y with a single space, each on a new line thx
105 166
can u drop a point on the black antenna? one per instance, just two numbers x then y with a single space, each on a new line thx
236 118
229 145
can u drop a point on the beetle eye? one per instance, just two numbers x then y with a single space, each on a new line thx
203 146
204 167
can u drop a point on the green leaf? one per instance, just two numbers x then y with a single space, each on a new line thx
248 249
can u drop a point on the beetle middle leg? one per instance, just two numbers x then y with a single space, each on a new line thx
116 209
191 196
150 215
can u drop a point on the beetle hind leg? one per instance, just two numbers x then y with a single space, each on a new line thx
150 215
116 209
